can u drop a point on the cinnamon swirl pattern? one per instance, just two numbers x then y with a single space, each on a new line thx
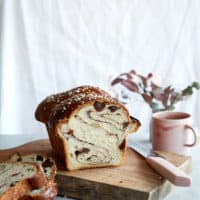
19 178
87 128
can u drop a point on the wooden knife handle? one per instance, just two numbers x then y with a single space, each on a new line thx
169 171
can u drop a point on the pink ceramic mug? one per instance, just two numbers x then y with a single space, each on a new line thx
171 131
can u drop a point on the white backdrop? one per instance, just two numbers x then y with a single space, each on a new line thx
51 46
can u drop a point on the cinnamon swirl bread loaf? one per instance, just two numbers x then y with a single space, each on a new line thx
87 127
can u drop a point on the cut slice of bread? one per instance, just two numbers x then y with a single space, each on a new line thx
47 192
47 163
18 178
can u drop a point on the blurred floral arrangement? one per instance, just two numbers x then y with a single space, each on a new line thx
157 97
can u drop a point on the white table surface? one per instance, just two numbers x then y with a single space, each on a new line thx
193 192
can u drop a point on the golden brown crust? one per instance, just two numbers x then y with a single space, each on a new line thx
47 106
49 193
38 180
135 121
58 144
17 191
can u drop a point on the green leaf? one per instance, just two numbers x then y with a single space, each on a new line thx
188 91
176 97
196 85
154 106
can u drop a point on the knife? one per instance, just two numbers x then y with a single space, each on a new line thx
161 165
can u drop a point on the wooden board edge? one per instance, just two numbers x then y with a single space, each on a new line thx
79 188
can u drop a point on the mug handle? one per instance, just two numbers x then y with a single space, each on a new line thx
196 137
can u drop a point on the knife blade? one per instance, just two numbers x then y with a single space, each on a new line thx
161 165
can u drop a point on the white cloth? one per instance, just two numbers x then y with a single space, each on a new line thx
51 46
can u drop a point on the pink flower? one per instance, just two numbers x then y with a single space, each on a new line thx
158 97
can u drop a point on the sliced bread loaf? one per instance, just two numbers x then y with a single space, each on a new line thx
87 127
49 190
18 178
47 163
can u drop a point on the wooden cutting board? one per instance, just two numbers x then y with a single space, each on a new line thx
132 180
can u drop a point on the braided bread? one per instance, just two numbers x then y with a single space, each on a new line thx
87 127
